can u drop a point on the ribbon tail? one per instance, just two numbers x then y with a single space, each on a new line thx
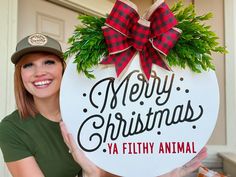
146 65
146 60
162 63
157 58
150 56
120 60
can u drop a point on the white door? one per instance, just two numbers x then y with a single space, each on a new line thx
48 18
44 17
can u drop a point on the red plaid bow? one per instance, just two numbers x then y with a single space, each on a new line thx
125 34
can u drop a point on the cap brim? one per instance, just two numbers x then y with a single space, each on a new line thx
17 55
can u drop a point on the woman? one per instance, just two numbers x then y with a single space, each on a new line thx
30 137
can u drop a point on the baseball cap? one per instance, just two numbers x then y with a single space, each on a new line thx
36 43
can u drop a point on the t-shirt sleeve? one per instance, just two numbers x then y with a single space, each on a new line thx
12 146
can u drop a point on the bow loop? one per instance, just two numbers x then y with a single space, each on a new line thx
163 20
116 42
126 33
123 17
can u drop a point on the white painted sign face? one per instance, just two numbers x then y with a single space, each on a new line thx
131 127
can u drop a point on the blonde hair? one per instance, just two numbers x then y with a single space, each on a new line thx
24 100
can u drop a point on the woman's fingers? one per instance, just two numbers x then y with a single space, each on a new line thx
194 164
64 133
80 157
89 169
75 151
198 158
68 139
202 154
189 167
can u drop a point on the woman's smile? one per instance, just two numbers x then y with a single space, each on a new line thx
42 84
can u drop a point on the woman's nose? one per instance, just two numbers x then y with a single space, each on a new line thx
40 71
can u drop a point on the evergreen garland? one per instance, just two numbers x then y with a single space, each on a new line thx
193 49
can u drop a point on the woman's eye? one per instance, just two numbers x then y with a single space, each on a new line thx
49 62
27 65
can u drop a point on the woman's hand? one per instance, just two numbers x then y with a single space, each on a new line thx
189 167
89 169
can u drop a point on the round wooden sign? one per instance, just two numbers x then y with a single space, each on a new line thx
132 127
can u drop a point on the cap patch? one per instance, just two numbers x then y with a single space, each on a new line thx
37 40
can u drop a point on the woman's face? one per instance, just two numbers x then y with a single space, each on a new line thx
41 74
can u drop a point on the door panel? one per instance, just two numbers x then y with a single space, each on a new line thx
45 17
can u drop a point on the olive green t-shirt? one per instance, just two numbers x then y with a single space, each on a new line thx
38 137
